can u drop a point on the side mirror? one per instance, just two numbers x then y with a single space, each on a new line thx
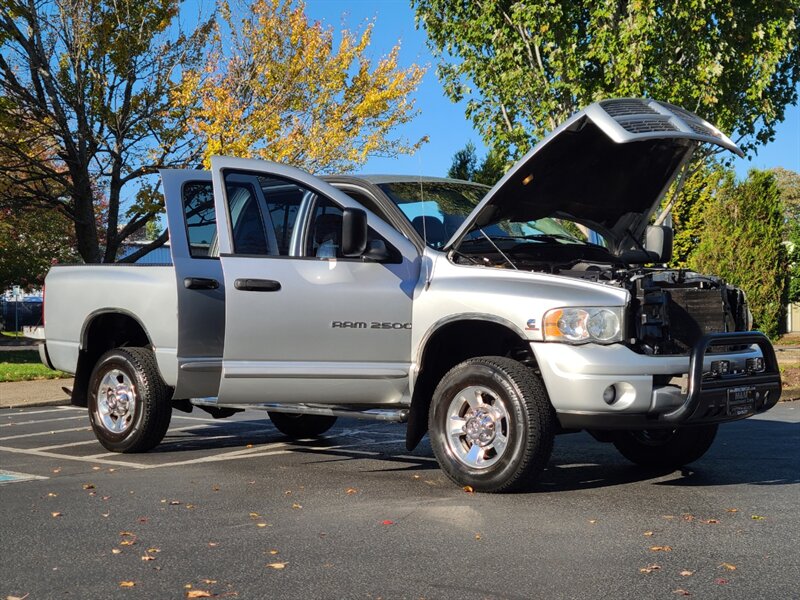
658 241
354 232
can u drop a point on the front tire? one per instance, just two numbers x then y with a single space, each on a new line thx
665 448
128 401
301 426
491 424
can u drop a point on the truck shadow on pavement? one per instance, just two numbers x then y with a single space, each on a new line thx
754 452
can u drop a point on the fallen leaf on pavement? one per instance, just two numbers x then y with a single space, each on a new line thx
273 552
650 569
126 584
477 536
88 486
95 468
468 489
199 594
593 521
116 551
732 510
174 502
261 524
711 521
214 488
52 494
757 517
686 573
667 517
295 505
209 581
682 592
277 565
57 470
153 550
127 533
720 581
728 566
143 519
17 597
56 514
254 515
351 491
648 534
388 522
213 544
148 557
688 517
661 548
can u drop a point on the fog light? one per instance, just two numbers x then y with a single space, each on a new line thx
720 367
610 394
755 365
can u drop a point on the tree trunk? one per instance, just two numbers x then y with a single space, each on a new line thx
85 225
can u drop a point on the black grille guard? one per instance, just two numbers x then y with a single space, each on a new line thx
768 381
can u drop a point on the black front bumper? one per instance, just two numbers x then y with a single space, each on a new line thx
709 399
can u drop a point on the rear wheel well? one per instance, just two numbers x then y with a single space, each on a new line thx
101 334
450 345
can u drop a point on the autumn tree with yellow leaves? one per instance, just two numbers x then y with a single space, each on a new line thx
278 87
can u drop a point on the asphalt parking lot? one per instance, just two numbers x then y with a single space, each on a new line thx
230 508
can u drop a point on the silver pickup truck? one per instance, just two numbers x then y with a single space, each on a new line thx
491 319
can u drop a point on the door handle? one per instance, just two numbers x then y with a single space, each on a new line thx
200 283
257 285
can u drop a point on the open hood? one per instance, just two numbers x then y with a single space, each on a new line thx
606 167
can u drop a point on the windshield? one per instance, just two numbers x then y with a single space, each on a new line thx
437 209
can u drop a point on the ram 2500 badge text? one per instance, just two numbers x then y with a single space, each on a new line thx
492 319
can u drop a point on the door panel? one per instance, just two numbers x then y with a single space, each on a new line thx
201 286
309 329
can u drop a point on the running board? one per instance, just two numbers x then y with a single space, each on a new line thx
374 414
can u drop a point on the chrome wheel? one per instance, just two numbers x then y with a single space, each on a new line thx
116 402
477 427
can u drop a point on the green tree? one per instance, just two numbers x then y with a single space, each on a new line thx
86 111
793 248
788 183
465 162
31 241
465 166
743 243
525 66
700 188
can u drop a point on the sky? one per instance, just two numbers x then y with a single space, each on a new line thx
444 122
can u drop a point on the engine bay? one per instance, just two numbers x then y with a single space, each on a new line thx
671 309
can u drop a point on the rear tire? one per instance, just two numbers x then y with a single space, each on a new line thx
301 426
665 448
492 425
129 403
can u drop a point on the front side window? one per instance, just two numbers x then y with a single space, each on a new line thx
263 211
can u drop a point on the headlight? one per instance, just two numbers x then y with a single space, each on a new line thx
576 325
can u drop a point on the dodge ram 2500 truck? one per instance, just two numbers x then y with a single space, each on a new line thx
491 319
